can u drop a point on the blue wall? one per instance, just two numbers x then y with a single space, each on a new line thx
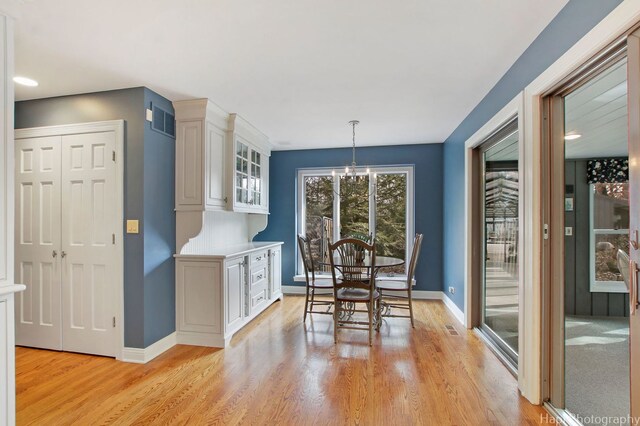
159 228
149 295
571 24
427 159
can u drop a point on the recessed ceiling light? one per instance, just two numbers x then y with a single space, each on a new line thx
572 136
25 81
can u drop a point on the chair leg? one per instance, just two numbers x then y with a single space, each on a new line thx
378 315
411 310
306 306
335 321
313 298
370 309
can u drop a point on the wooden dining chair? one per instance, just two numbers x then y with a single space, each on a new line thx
353 271
396 293
325 286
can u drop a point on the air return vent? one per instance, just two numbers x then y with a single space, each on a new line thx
163 122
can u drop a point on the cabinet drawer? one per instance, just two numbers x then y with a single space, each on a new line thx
258 275
258 299
258 257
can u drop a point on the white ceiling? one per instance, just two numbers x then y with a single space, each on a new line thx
598 111
299 70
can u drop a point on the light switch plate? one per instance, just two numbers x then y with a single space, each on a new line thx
132 227
568 231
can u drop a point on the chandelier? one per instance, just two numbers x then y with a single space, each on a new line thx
353 178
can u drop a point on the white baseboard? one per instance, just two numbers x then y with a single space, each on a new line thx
294 289
426 295
417 294
142 356
453 308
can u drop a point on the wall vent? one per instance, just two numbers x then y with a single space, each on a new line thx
163 122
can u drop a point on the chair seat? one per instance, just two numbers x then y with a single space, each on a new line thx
355 294
391 285
321 283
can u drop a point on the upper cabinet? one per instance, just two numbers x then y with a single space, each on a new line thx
222 161
250 177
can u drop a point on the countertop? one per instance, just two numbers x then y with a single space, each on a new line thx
231 251
13 288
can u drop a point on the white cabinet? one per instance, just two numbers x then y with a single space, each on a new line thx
250 178
234 284
222 161
215 166
275 271
219 293
201 156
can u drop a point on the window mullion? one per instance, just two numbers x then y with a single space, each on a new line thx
372 204
336 208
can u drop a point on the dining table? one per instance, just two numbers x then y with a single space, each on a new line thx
380 263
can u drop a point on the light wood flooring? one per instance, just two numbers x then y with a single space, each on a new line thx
279 371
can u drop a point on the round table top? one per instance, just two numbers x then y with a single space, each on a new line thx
381 262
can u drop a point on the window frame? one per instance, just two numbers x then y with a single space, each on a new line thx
408 170
600 286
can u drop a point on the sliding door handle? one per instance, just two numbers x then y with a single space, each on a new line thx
633 287
633 239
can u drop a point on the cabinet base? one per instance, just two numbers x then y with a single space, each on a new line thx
201 339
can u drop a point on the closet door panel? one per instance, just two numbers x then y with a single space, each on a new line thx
89 223
37 245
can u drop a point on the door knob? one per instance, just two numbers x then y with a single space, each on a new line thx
54 254
63 254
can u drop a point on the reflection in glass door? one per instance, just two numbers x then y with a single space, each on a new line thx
596 246
500 195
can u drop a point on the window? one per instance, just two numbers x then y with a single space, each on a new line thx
609 225
379 203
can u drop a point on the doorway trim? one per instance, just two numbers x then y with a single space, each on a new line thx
472 286
116 126
611 28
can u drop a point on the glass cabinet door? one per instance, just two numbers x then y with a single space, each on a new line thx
256 178
242 173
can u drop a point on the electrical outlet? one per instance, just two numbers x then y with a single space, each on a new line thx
452 290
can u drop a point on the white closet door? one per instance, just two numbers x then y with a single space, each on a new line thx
89 222
37 242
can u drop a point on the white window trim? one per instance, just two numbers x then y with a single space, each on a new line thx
327 171
601 286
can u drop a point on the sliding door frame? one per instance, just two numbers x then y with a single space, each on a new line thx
553 254
474 213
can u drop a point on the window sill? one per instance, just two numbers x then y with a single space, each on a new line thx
608 287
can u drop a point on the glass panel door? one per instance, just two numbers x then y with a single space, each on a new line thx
242 173
596 246
500 205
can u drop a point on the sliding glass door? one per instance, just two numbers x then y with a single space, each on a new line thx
592 214
500 207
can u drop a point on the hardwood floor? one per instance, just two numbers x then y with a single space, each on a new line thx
278 371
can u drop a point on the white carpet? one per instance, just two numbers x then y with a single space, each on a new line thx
597 366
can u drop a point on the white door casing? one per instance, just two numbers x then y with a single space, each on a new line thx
37 243
89 248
